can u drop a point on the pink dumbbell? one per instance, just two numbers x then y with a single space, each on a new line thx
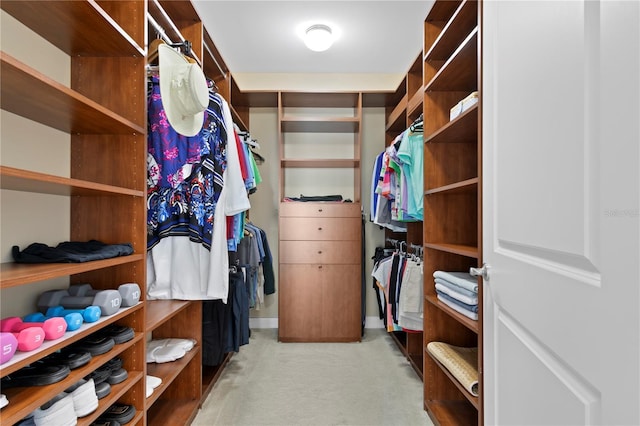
54 328
28 339
8 346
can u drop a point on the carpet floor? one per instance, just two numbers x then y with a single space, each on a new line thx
272 383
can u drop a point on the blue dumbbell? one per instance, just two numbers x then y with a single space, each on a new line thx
74 320
89 314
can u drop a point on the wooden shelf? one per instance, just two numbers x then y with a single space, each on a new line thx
463 250
471 398
462 129
15 274
167 372
320 99
397 120
173 412
467 322
22 359
78 28
320 124
455 188
452 412
28 181
32 95
461 23
160 311
415 103
460 72
329 163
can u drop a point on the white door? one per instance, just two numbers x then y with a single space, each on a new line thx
561 198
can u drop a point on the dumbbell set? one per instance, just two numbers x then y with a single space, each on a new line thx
61 311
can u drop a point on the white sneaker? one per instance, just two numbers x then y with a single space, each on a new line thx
59 413
85 400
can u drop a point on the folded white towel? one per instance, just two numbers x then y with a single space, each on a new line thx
459 309
456 295
463 279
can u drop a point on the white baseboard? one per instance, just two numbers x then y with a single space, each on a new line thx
263 322
373 322
370 322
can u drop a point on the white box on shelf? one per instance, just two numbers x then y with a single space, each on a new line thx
463 105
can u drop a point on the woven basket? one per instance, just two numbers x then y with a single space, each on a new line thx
462 363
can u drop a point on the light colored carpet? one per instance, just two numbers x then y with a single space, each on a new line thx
271 383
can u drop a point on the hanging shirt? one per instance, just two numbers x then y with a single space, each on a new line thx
195 265
411 155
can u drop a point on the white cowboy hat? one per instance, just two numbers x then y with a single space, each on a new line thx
184 91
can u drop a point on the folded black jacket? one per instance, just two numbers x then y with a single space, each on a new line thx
70 252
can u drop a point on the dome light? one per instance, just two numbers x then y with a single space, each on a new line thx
318 37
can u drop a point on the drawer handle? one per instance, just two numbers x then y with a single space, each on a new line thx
320 267
320 229
320 210
319 251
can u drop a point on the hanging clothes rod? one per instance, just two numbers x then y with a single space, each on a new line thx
154 6
162 23
159 30
393 241
208 49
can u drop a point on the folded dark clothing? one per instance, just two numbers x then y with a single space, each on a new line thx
317 198
70 252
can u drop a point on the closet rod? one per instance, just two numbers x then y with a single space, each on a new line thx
161 17
166 18
222 72
159 30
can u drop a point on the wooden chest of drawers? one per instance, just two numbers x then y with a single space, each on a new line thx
320 272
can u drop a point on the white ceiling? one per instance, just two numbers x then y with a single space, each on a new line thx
260 36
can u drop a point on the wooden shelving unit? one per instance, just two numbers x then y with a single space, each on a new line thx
105 119
403 107
105 122
177 399
326 306
453 198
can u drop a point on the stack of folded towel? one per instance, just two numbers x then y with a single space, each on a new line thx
459 291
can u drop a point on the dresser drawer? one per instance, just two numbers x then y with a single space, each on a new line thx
327 209
319 303
320 229
320 252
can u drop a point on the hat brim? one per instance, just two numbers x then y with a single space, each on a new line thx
187 125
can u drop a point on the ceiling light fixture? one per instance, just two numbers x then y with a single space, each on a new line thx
318 37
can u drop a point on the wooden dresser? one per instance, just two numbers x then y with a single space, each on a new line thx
320 272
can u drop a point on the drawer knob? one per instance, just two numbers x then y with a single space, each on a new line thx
320 229
320 267
320 210
319 251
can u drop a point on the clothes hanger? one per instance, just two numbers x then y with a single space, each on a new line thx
152 55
